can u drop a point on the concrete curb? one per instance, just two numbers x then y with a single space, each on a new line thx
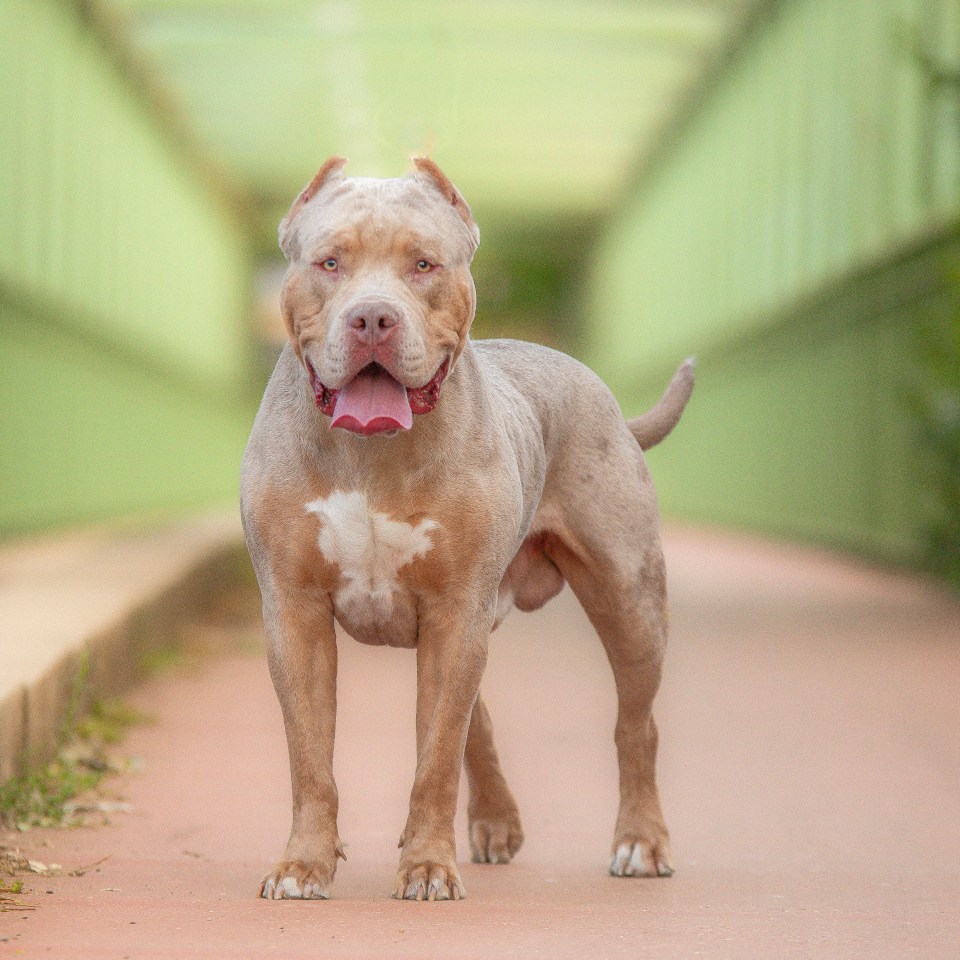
80 611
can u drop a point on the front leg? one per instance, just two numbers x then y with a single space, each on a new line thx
302 654
451 656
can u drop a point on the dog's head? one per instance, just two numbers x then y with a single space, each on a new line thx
378 298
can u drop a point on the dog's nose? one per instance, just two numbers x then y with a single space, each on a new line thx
373 320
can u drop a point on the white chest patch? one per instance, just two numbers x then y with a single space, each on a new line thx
370 549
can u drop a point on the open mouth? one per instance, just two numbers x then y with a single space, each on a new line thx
376 402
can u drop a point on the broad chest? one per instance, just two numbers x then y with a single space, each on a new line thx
375 564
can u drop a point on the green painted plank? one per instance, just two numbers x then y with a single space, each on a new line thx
85 437
123 282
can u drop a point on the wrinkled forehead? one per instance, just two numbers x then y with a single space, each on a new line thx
380 212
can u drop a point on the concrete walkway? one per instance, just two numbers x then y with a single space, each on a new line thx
810 771
88 605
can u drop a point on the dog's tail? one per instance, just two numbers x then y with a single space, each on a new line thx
654 425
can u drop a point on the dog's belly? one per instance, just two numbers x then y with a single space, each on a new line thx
369 550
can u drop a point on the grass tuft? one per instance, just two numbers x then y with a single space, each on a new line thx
44 796
39 798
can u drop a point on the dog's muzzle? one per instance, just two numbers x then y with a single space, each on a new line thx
374 401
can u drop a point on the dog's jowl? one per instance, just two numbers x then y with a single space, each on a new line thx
415 486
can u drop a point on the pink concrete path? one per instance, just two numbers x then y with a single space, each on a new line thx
810 771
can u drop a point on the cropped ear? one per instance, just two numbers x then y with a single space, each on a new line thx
429 171
331 170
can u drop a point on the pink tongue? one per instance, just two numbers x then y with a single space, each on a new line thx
373 402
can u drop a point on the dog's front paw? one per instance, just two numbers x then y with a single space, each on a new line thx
634 857
428 878
297 880
495 839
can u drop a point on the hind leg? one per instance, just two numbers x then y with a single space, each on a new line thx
494 820
625 599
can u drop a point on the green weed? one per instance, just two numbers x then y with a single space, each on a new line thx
39 798
44 796
108 721
162 659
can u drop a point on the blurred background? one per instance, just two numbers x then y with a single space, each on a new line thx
772 185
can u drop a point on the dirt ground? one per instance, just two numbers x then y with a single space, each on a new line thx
809 767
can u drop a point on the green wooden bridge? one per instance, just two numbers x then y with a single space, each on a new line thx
772 185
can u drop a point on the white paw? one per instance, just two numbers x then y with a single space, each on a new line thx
294 881
639 860
428 881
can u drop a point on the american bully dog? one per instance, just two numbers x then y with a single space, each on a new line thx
415 486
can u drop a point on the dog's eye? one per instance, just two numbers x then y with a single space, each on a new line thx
330 264
424 266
